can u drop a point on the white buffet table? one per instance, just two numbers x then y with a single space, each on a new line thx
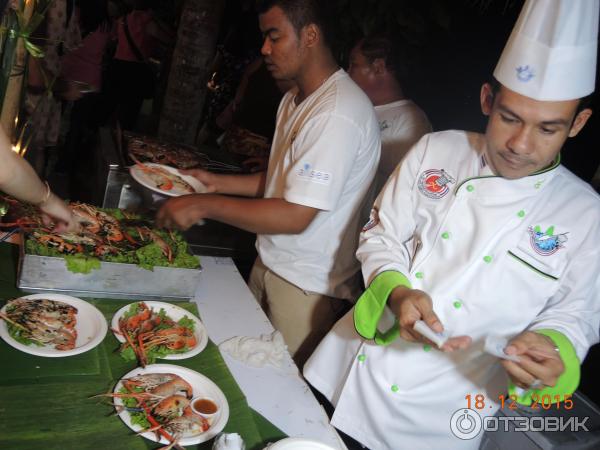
229 309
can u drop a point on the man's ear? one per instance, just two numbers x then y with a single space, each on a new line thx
311 34
580 120
486 99
379 66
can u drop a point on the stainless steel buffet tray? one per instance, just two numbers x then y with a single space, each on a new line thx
112 280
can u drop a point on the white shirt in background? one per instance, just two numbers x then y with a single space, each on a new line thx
402 124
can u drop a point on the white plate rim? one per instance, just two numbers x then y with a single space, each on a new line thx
295 443
215 428
47 351
138 176
199 328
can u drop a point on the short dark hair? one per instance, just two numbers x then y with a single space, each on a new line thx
584 102
302 13
383 46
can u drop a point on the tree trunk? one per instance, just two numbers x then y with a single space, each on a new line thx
186 89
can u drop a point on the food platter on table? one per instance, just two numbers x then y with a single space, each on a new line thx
173 312
165 180
91 327
201 387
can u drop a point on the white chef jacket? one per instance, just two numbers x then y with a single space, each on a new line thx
497 256
324 155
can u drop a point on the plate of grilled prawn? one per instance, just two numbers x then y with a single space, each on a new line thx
159 330
155 402
51 325
165 180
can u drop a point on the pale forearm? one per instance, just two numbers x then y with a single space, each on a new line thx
17 177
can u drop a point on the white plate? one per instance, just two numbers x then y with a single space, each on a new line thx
175 313
298 444
201 385
91 328
142 177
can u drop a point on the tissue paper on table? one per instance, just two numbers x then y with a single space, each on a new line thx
256 352
228 441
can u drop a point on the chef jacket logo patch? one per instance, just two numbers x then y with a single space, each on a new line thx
373 220
433 183
546 242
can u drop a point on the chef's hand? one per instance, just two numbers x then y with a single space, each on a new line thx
54 210
539 360
410 305
208 179
181 212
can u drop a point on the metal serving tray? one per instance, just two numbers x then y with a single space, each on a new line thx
112 280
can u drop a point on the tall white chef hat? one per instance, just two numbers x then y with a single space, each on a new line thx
551 52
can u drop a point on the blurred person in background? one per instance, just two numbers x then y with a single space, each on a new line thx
378 67
131 78
84 66
57 34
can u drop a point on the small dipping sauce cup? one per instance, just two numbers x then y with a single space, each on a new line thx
205 406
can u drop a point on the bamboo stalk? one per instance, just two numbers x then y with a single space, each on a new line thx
14 60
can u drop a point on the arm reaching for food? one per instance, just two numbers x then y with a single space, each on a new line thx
18 179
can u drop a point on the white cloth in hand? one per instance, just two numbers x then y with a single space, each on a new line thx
228 441
256 352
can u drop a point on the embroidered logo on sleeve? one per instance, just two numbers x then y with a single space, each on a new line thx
546 242
308 173
433 183
373 220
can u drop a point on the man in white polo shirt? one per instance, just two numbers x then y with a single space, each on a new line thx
316 192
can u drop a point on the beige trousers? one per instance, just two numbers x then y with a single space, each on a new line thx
302 317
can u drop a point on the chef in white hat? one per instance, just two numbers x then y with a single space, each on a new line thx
481 236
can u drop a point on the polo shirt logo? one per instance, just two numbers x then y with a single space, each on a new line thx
433 183
306 172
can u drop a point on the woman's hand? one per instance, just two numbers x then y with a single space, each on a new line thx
56 210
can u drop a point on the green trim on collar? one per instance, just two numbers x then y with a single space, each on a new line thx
567 383
371 303
552 166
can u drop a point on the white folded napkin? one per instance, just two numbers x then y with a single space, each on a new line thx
256 352
228 441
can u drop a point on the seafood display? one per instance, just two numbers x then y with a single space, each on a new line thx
41 322
148 332
148 149
107 235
